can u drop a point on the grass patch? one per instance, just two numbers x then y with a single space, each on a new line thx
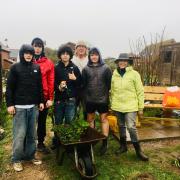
109 166
4 154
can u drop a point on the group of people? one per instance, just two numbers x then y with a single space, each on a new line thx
79 79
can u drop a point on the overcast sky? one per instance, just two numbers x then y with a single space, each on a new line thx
107 24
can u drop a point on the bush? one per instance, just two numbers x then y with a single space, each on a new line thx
3 114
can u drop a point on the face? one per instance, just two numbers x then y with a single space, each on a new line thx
65 57
37 49
81 50
94 58
122 64
28 57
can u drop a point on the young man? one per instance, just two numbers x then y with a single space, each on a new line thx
96 81
47 71
127 99
80 59
23 93
67 80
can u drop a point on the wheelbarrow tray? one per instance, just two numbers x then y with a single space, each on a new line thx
91 135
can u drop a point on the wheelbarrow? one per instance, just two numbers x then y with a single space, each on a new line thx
81 153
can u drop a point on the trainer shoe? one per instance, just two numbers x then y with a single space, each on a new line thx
36 161
18 166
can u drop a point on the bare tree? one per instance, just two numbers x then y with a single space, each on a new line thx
147 58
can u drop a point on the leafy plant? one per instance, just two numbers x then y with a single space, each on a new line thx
71 132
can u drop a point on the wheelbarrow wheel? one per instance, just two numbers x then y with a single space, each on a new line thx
85 164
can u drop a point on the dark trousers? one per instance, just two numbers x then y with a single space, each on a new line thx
41 128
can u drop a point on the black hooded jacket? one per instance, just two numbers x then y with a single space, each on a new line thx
61 74
96 80
24 85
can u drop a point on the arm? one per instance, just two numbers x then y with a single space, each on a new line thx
78 80
40 87
41 103
108 76
50 79
139 91
10 90
84 78
50 86
111 91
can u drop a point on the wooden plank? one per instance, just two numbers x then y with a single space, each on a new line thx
154 89
160 119
153 106
160 106
150 96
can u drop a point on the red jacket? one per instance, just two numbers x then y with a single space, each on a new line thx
47 72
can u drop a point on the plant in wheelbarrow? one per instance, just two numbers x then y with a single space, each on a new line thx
78 138
69 133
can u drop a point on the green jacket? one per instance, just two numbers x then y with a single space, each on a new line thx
127 92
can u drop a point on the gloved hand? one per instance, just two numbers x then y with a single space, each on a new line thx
140 114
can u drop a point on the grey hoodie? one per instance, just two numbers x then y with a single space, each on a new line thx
96 80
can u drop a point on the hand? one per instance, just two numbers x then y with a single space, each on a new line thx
41 107
62 86
11 110
140 114
72 76
49 103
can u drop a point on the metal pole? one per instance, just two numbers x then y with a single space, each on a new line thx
0 77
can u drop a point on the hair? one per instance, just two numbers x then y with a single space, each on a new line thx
63 49
37 41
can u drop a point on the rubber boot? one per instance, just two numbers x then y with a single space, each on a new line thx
139 152
104 146
178 158
123 146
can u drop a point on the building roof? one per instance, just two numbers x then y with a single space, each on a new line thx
3 47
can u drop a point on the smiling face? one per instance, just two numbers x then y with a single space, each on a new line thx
94 58
122 64
81 50
28 56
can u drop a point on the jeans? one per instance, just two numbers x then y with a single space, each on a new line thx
24 132
64 112
128 120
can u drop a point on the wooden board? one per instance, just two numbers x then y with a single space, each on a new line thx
154 89
153 97
153 106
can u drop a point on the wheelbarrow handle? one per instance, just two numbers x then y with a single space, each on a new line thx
76 156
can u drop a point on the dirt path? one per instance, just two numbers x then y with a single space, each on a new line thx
30 172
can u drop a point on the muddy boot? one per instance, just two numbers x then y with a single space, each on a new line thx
104 147
123 146
139 152
178 158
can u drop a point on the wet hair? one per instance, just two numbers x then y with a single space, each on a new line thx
94 51
37 42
